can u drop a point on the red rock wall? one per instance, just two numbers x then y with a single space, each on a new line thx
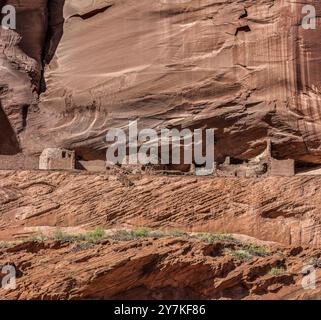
246 68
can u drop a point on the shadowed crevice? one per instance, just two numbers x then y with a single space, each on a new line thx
92 13
242 29
55 27
9 144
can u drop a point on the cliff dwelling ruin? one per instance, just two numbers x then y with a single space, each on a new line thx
57 159
263 165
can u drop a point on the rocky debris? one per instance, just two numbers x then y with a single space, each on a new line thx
151 268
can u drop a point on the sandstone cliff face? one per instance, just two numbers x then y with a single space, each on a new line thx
73 69
284 210
22 52
246 68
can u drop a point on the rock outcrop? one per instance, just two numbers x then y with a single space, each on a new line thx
169 268
285 210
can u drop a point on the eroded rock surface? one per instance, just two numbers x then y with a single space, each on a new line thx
73 69
285 210
246 68
154 269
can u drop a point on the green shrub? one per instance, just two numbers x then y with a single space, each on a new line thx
278 271
216 237
40 237
90 236
7 244
124 235
59 235
247 252
257 251
96 235
242 255
312 262
140 232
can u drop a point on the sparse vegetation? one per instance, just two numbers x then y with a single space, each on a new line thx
312 262
124 235
127 235
257 251
59 235
248 251
7 244
96 235
242 252
216 237
242 255
140 232
158 234
175 233
277 271
40 237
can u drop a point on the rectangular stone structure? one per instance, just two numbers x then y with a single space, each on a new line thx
57 159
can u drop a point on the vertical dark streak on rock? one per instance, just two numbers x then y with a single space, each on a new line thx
54 33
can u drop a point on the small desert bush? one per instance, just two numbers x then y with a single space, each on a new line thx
168 233
247 252
256 251
216 237
127 235
7 244
122 235
140 232
242 255
40 237
277 271
312 261
96 235
59 235
62 236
